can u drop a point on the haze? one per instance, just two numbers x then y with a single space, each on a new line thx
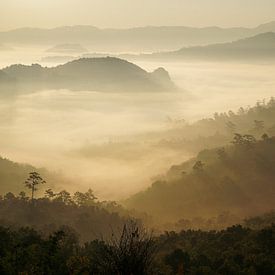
126 13
137 137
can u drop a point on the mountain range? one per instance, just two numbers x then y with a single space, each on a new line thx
150 38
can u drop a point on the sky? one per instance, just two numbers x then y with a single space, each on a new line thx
131 13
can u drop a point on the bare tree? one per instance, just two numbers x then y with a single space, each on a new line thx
132 252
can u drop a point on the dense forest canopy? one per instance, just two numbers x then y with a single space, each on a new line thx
236 250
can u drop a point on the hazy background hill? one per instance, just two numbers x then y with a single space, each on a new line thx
67 49
259 47
92 74
151 38
13 176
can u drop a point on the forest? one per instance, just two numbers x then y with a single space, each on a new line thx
137 137
208 223
27 247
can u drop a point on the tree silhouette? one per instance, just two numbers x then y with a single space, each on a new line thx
87 198
243 140
32 181
49 194
198 166
132 252
265 136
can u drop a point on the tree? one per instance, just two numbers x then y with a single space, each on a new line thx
265 136
243 140
87 198
9 196
179 261
132 252
33 181
198 166
64 196
49 194
22 196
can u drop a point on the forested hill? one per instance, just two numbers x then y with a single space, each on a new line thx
238 178
91 74
13 175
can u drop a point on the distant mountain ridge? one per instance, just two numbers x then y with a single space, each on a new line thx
150 38
261 46
67 48
93 74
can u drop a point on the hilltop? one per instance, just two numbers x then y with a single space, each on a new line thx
93 74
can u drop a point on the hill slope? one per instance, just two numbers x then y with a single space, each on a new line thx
13 175
93 74
261 46
244 184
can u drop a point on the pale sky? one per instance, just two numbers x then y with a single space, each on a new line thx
130 13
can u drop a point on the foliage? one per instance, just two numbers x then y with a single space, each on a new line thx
33 181
81 212
236 179
235 250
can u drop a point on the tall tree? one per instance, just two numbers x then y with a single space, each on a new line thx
33 181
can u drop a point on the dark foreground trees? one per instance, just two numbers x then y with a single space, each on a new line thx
131 252
25 251
236 250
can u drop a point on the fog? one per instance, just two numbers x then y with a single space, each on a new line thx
99 139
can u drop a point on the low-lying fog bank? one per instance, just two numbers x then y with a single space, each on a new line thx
99 138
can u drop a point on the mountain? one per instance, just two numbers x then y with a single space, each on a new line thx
150 38
94 74
261 46
243 186
68 49
267 27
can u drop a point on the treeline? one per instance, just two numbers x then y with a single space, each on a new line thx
218 130
235 250
82 212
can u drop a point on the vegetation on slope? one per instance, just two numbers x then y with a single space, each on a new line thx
92 74
238 179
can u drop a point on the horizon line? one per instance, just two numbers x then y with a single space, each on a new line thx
133 27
